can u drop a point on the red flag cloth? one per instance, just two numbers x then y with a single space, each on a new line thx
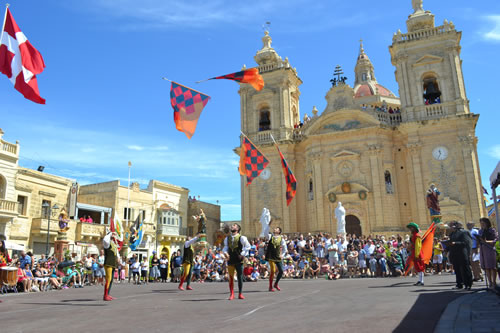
252 161
187 104
425 255
250 76
20 61
291 182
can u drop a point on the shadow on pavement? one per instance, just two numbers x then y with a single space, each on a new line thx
203 300
64 304
425 313
79 300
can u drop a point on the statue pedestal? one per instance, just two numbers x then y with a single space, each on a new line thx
201 245
60 246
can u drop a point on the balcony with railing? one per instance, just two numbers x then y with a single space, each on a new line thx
40 226
89 231
423 33
8 208
9 149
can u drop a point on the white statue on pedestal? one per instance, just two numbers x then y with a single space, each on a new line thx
340 216
417 5
265 220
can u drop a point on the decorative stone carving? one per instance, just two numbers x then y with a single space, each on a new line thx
345 169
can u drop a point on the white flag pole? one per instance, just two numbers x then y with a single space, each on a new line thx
272 137
4 21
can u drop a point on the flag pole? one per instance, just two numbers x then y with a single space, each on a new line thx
203 80
4 21
164 78
272 137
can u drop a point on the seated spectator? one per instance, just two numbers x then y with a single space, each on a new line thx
22 279
302 268
40 279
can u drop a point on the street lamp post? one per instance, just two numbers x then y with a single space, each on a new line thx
46 205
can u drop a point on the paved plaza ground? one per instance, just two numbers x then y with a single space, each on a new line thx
354 305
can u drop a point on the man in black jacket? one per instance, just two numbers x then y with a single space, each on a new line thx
460 245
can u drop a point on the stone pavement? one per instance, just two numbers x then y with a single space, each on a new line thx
477 312
347 305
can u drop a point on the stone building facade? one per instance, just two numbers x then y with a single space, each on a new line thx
212 212
374 152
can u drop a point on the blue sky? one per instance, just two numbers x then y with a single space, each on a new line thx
106 102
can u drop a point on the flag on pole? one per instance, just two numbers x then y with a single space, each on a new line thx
116 226
250 76
187 104
19 60
252 161
136 238
484 190
291 182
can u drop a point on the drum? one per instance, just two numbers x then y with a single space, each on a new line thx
9 276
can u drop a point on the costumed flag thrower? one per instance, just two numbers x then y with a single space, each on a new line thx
187 104
252 161
19 60
424 249
250 76
291 182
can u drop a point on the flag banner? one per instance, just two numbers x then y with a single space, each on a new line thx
291 182
19 60
250 76
484 190
187 104
117 226
137 240
252 161
426 250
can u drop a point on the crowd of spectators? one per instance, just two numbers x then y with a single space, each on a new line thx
309 256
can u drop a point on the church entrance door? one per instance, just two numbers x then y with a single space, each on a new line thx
352 225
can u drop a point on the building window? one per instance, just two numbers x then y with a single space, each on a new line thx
264 120
311 190
432 94
21 204
3 187
388 182
128 213
142 215
45 208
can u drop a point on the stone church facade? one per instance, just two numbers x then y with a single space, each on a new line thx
374 152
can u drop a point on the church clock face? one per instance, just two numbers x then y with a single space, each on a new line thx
440 153
265 174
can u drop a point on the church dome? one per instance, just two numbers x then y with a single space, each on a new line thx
367 89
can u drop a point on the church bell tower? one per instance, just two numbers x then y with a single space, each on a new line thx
275 109
428 67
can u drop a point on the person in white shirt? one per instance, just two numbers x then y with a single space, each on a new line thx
187 263
236 248
333 257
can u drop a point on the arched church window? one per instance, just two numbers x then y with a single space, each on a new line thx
364 77
264 120
3 187
388 182
311 190
432 93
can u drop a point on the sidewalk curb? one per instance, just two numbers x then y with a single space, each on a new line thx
457 315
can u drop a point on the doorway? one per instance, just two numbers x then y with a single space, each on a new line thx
352 225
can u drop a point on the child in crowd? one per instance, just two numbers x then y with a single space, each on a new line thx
373 265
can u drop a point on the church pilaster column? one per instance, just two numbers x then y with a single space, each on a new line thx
319 224
419 191
377 185
474 190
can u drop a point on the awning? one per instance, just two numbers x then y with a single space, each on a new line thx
13 246
93 208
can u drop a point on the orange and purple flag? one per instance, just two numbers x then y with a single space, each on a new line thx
250 76
187 104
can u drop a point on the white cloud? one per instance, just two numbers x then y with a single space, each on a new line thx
493 32
166 14
494 152
135 147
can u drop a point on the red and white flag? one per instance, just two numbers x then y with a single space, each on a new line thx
19 60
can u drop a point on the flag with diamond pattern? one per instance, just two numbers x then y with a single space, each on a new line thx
187 104
291 182
252 161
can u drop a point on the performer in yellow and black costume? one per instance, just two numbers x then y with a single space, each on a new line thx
187 263
236 248
276 250
111 254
